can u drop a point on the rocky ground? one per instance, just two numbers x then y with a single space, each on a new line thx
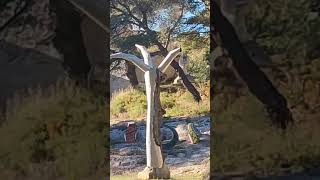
183 158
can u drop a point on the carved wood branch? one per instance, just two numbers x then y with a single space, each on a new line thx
155 157
132 58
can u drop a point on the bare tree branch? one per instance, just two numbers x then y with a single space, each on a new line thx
174 26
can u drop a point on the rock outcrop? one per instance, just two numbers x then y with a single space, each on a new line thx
29 24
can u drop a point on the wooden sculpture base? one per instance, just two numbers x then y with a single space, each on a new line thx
154 173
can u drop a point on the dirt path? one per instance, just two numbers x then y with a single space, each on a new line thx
184 158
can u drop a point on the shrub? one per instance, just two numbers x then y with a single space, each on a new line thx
131 103
286 26
63 128
245 142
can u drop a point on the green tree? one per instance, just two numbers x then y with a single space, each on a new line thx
153 25
287 26
149 23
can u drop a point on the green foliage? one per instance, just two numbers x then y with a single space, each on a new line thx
286 26
199 68
131 104
245 141
153 23
140 20
128 43
159 26
197 51
201 17
63 129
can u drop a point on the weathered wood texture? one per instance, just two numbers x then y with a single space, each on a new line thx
152 74
170 72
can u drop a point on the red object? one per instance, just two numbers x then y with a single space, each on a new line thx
130 134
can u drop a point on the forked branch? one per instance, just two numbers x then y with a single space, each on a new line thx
168 59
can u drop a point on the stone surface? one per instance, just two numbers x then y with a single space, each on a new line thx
183 157
33 28
37 25
129 151
118 84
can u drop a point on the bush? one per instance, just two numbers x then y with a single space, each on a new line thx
286 26
245 142
63 128
199 67
131 103
197 51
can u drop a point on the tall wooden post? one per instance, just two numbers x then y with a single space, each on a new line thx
155 160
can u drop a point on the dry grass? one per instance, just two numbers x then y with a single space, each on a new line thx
245 141
58 133
131 104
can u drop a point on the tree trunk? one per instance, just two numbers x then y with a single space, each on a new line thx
257 82
69 40
131 74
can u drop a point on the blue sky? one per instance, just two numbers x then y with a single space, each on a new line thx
187 15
